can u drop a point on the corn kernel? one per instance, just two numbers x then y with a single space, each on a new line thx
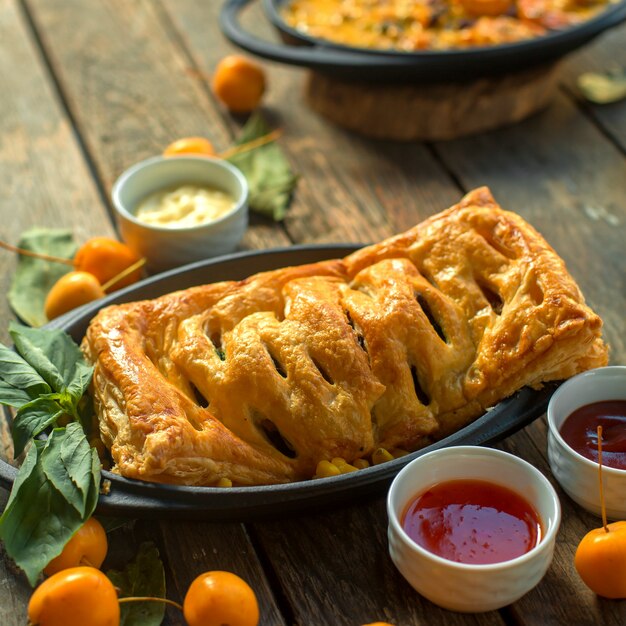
346 468
380 455
224 482
361 463
325 469
343 465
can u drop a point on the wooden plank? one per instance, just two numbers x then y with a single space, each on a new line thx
99 52
44 177
46 182
605 53
189 549
335 569
559 172
194 548
562 597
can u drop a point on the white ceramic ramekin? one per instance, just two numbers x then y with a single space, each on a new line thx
459 586
576 474
164 247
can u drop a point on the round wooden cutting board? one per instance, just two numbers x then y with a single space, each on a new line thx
432 112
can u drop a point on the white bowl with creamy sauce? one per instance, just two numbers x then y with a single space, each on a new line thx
177 210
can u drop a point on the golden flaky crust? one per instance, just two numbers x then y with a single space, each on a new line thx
398 344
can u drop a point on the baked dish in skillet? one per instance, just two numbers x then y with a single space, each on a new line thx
395 346
413 25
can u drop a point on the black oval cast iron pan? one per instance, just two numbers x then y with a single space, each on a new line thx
133 498
368 65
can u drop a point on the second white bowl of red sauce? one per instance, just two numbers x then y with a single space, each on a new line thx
472 529
594 397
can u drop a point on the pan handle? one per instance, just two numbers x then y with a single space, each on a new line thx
316 57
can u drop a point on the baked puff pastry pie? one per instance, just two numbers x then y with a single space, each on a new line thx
397 345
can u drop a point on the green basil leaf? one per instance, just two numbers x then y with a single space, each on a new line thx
17 373
68 463
144 576
275 201
57 487
36 349
81 378
87 416
22 475
33 278
55 356
270 178
11 396
91 501
37 523
31 419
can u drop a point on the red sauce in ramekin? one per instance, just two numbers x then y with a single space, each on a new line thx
473 522
579 430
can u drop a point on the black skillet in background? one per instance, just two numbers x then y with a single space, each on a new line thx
134 498
429 65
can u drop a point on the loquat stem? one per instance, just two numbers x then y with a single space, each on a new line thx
602 507
123 274
251 145
149 599
36 255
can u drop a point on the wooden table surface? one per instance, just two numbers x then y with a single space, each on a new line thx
89 87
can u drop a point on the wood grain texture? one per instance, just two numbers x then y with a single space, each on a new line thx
194 548
45 182
128 86
44 179
334 568
605 53
190 549
350 189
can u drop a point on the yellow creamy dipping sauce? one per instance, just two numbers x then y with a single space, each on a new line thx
412 25
184 207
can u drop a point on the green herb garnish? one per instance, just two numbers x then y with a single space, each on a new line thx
144 576
34 277
270 178
57 486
